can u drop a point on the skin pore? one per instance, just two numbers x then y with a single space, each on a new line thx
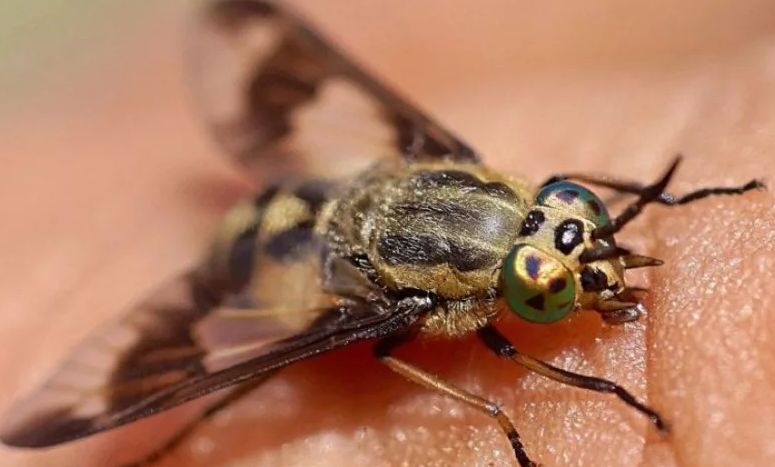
110 185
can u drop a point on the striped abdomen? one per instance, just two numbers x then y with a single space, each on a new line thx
274 229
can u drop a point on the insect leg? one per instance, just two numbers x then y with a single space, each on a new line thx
496 342
654 192
591 255
637 188
383 351
209 412
618 311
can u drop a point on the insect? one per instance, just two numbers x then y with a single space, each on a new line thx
425 242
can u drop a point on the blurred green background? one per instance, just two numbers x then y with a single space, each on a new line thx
40 40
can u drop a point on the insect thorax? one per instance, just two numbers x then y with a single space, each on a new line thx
444 228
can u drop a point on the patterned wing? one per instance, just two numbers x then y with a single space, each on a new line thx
253 307
177 347
279 96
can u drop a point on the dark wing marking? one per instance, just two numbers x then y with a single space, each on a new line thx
146 351
244 312
175 348
277 92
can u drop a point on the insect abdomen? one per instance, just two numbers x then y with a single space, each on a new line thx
277 225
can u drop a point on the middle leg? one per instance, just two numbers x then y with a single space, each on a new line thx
383 351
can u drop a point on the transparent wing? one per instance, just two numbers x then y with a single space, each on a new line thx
280 97
245 312
179 345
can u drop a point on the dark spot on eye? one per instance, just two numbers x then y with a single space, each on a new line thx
536 302
557 285
532 223
593 280
567 196
533 265
568 235
594 206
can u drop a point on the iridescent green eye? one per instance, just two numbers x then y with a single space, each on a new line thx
571 196
537 286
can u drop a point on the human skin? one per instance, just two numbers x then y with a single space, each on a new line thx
110 185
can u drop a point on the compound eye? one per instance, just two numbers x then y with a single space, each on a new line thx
537 286
571 196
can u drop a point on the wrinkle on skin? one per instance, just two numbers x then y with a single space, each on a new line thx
110 185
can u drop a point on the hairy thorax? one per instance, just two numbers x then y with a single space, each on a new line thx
443 228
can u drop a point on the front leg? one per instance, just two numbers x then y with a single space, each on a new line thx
496 342
638 189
